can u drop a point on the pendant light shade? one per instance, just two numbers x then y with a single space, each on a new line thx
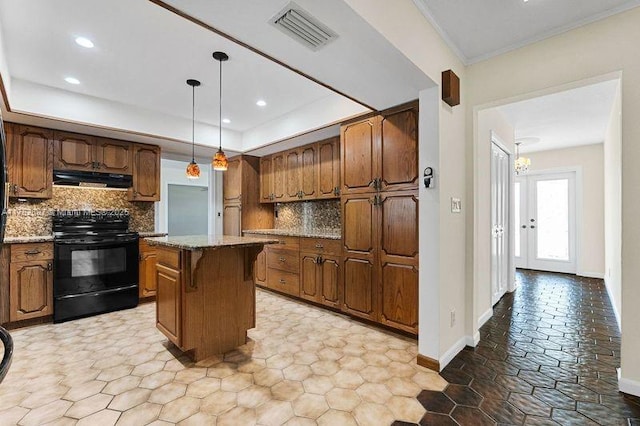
193 170
220 162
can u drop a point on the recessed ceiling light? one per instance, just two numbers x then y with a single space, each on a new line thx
84 42
261 103
226 121
72 80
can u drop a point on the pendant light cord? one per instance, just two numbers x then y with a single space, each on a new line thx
220 109
193 124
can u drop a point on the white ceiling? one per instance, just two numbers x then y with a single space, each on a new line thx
565 119
477 30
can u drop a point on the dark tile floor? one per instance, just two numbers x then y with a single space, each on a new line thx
548 356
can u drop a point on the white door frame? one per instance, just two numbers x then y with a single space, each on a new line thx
578 207
511 278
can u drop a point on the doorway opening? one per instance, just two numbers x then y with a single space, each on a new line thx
188 210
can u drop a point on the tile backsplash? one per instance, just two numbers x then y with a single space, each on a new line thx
309 215
33 217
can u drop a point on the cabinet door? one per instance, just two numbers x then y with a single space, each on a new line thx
232 181
73 151
399 150
330 280
329 168
146 173
359 217
113 156
309 274
260 268
30 161
309 172
232 220
399 260
266 180
147 271
358 144
293 172
168 303
31 289
278 166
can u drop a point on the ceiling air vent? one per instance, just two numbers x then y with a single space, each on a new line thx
301 26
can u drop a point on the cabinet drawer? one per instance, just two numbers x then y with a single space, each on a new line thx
169 257
292 243
320 245
31 251
284 260
285 282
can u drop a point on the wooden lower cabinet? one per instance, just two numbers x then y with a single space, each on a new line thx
168 302
260 269
147 270
360 288
30 281
321 278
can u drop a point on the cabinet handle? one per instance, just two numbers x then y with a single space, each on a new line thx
49 267
282 281
319 246
15 188
319 260
34 251
281 242
336 191
282 259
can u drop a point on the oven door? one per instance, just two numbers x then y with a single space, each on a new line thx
94 265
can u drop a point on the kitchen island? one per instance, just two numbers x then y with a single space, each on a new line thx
205 300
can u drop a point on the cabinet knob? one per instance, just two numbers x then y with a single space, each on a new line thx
282 259
319 246
282 281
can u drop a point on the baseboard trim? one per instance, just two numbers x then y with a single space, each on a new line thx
628 386
454 350
485 317
426 362
472 340
613 305
599 275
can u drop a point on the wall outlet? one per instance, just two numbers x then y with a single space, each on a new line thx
453 317
456 205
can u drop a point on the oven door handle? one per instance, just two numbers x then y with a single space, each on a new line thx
98 293
93 243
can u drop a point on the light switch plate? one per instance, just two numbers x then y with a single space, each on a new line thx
456 205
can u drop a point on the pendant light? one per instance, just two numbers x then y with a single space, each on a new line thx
521 164
193 170
220 162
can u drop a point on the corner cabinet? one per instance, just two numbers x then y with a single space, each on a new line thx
29 161
146 173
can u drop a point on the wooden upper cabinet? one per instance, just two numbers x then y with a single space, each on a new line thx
266 180
146 173
29 161
293 174
399 225
359 155
232 220
308 171
278 169
328 159
399 150
359 224
113 156
73 151
232 181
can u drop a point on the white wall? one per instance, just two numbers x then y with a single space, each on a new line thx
602 50
590 159
489 120
173 172
613 206
442 144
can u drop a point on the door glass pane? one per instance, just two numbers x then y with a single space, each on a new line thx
517 217
553 219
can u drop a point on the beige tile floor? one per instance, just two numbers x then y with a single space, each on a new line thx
303 365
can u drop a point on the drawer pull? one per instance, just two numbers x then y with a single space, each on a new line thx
282 259
319 246
282 281
33 251
282 242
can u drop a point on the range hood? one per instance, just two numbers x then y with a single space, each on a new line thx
91 179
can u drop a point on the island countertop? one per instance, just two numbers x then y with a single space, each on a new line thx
199 242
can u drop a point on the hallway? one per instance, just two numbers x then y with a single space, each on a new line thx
547 356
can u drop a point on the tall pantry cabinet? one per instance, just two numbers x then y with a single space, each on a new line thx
379 197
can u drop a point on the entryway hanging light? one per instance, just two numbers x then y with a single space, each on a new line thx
220 162
193 170
521 164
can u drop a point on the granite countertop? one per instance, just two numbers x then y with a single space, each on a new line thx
330 234
196 242
152 234
31 239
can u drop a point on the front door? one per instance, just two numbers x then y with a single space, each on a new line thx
545 215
